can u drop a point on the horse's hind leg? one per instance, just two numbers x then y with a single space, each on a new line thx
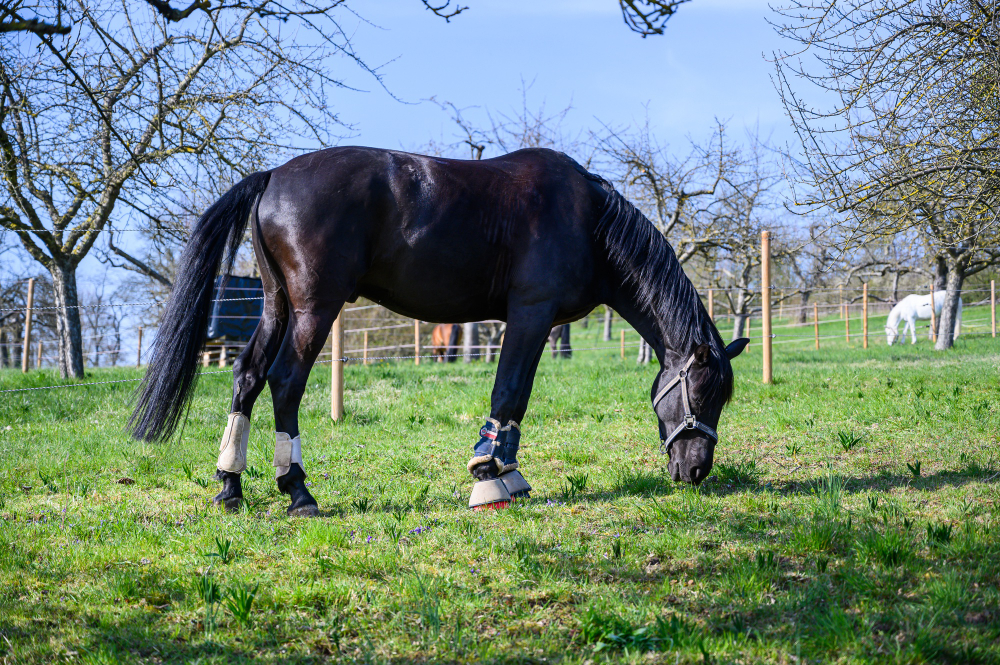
303 341
249 374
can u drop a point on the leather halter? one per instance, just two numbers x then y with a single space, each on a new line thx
690 420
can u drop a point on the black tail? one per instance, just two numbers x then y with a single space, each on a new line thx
173 371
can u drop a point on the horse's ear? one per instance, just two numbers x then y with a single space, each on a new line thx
702 353
736 347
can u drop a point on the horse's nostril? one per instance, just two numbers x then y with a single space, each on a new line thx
697 474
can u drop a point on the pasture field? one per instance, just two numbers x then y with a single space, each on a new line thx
852 517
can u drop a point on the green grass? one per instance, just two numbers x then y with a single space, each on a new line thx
798 548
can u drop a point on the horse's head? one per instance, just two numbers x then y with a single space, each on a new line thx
688 396
891 335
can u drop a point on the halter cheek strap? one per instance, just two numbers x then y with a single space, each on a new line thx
690 420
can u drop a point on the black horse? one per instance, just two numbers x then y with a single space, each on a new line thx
530 238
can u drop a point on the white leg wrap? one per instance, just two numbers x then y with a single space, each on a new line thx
233 449
286 451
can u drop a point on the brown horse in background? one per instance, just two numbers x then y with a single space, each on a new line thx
445 340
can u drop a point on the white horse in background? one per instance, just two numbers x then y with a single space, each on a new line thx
915 307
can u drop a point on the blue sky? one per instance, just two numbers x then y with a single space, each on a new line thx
711 62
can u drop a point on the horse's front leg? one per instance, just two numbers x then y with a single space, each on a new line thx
494 457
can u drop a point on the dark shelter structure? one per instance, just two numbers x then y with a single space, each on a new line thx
233 319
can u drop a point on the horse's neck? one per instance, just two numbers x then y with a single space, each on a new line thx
644 323
894 316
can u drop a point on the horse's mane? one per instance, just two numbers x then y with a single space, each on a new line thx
645 258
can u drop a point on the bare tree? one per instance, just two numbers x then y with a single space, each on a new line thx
904 134
102 323
132 109
676 193
748 205
19 16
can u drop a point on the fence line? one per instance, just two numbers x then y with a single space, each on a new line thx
339 355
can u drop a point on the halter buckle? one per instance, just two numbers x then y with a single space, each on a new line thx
690 422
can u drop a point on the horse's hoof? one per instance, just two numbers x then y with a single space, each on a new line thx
488 495
496 505
308 510
516 485
485 472
230 505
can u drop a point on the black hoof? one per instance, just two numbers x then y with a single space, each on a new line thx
526 494
308 510
293 484
231 505
485 471
231 495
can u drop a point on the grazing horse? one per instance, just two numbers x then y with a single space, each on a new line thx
914 307
445 340
531 238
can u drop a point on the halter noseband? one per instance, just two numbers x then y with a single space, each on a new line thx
690 420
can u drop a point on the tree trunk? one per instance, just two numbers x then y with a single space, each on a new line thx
644 353
607 323
68 334
803 304
940 274
738 321
16 336
895 288
4 355
949 310
470 340
739 314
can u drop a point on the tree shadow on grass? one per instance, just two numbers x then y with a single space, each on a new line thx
887 481
139 635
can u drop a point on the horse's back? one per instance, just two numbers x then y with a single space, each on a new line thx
405 229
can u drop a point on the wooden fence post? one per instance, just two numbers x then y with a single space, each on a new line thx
816 323
337 368
993 306
38 355
933 316
138 351
364 353
842 308
416 341
623 344
864 316
223 356
711 306
765 295
26 348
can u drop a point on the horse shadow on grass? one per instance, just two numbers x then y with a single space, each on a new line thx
626 483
